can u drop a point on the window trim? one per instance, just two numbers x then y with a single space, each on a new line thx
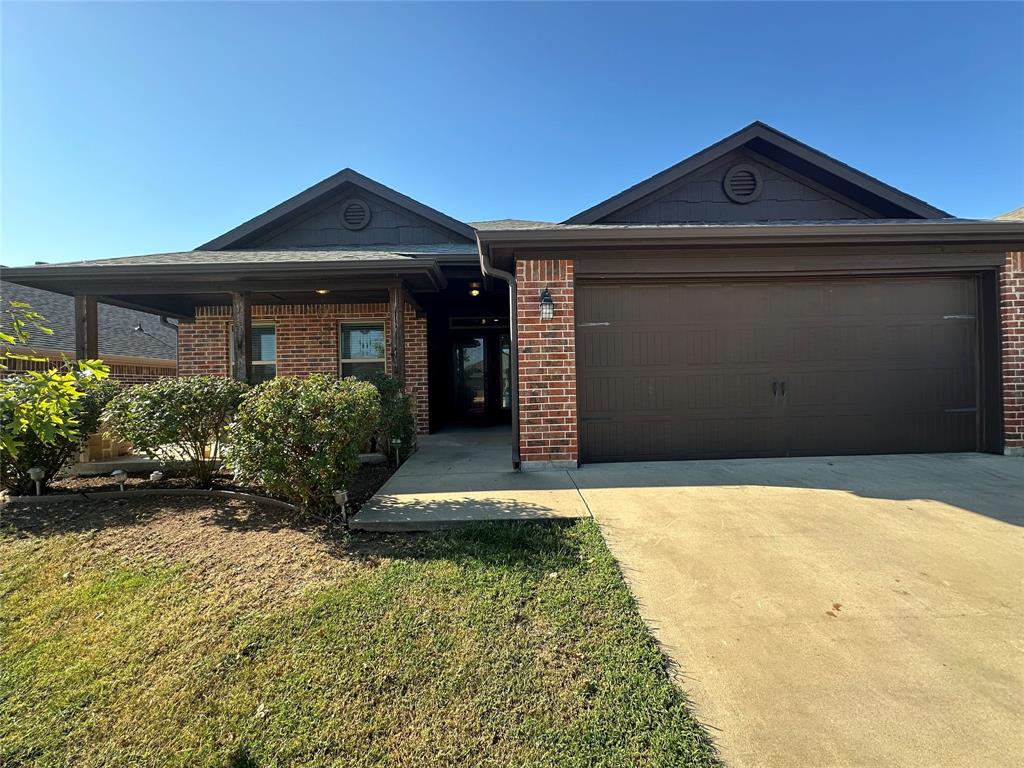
254 362
383 359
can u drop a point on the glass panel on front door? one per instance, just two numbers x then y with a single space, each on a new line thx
470 376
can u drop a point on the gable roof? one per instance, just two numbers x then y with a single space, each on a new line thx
1015 215
774 144
116 325
310 197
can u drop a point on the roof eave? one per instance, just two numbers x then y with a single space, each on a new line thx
181 278
1001 235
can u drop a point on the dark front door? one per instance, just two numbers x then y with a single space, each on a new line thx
776 368
481 377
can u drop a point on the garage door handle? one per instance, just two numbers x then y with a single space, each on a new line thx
775 388
782 386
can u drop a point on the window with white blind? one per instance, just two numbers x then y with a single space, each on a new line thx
264 352
362 348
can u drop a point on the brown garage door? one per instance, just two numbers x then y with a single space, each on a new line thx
802 367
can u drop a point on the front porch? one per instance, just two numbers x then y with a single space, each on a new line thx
462 475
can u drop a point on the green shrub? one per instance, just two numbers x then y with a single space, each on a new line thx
301 438
397 416
178 419
83 413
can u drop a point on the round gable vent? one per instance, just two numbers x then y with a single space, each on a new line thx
355 214
743 183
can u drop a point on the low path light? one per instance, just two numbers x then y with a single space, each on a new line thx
156 476
119 476
37 474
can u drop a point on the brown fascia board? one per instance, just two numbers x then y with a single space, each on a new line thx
1001 235
193 278
323 188
764 132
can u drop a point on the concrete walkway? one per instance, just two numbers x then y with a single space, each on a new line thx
857 611
459 476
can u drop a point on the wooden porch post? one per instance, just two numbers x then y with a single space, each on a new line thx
86 328
396 299
241 335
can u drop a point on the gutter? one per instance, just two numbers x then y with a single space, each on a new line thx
513 324
1003 235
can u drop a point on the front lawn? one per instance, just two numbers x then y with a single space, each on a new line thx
197 633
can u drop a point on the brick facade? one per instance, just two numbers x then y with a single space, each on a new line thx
307 342
547 365
1012 308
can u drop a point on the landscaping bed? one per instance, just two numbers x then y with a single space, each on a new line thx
368 478
194 632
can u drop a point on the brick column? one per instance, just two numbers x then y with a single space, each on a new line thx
1011 303
547 366
416 366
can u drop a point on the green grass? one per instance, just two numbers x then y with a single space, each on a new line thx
501 645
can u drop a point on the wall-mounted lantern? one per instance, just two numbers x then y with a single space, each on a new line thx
474 289
547 305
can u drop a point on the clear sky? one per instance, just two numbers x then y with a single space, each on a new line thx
139 127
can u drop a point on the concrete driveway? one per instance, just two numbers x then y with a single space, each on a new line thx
861 611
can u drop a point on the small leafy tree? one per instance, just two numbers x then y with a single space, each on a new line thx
397 418
178 419
301 438
38 405
53 455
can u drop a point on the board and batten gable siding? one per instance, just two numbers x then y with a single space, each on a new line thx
307 342
700 197
389 225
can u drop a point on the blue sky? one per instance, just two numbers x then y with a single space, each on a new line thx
138 127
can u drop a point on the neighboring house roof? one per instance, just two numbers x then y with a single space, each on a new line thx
116 325
1015 215
774 144
318 193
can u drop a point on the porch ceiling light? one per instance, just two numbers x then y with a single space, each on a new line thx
547 305
474 289
322 291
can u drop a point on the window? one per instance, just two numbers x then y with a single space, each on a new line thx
264 352
362 349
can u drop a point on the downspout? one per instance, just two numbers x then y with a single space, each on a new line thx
490 270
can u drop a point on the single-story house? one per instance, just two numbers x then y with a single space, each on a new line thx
759 298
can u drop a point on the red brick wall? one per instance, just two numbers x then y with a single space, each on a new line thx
1012 308
547 364
416 366
307 342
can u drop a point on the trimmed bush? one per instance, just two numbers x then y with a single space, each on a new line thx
178 420
300 438
397 419
83 413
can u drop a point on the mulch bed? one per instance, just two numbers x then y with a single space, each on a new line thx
368 479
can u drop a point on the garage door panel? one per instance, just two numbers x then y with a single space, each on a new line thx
686 370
